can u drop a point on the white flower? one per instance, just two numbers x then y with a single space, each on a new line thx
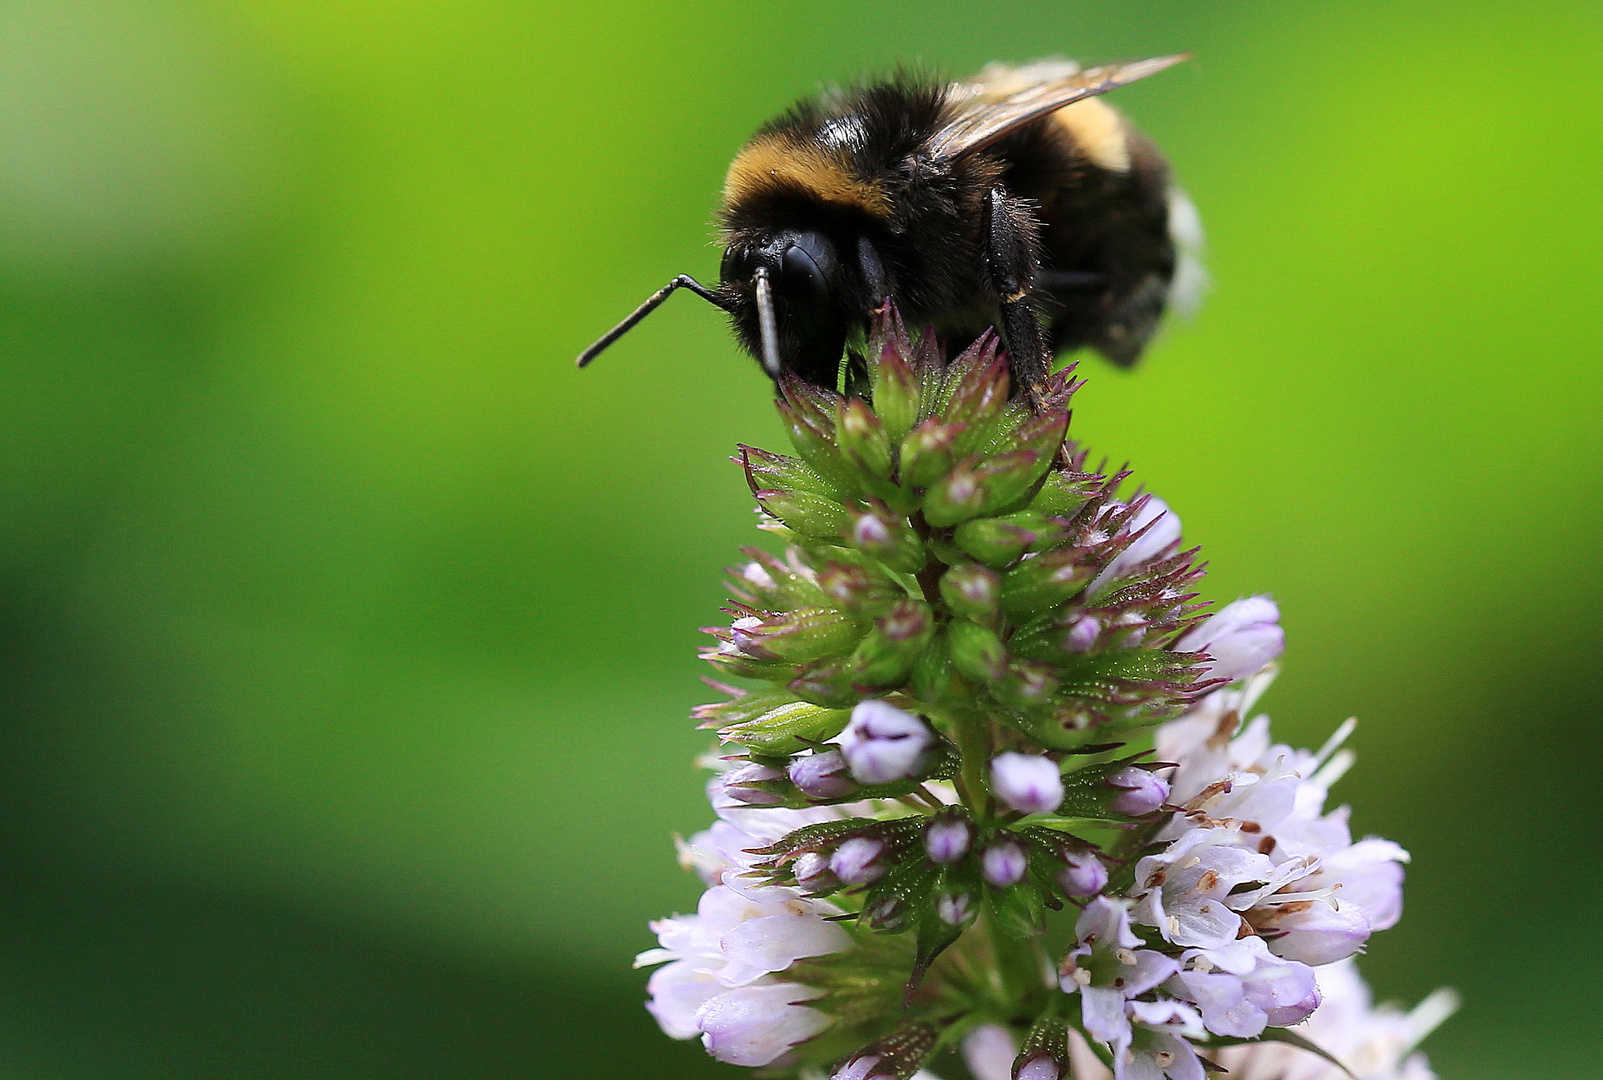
1374 1043
1107 967
1162 535
719 978
1325 895
1157 1045
758 1025
1241 638
1186 890
1272 993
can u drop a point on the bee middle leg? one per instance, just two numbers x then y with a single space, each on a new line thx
1013 253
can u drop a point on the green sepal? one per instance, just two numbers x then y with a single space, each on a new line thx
864 440
812 432
934 937
885 657
927 452
804 513
976 651
885 536
1017 911
895 390
973 591
1041 582
1099 674
897 901
934 673
1062 494
743 708
767 471
787 729
812 634
1086 791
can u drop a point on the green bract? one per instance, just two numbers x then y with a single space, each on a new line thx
942 540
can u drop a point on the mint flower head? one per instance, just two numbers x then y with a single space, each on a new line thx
983 782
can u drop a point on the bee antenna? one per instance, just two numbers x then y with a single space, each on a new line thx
765 323
654 301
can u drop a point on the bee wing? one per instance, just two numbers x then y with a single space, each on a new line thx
984 115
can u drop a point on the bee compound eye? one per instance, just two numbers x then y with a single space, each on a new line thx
736 265
805 268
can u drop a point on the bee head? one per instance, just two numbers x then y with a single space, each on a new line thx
797 283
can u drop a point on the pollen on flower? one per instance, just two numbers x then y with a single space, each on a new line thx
972 703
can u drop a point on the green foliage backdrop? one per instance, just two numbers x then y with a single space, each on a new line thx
348 632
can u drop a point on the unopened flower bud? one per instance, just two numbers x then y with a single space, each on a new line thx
896 390
751 784
1142 791
1082 875
883 744
1045 1053
1041 1067
822 775
861 1067
746 634
863 439
1081 634
927 452
948 838
1028 783
1241 638
971 590
955 909
1042 581
859 861
813 874
1003 863
897 1056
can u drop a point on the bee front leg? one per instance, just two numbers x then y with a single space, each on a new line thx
1013 252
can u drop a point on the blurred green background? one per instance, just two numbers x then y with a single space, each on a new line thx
348 631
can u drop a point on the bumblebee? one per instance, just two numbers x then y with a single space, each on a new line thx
1014 200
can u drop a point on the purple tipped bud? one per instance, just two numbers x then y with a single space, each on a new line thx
747 635
883 744
1241 638
1082 634
858 861
955 910
813 874
1039 1068
892 1057
1143 792
1026 782
871 532
742 784
1082 875
947 839
1004 864
822 775
971 590
869 1067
